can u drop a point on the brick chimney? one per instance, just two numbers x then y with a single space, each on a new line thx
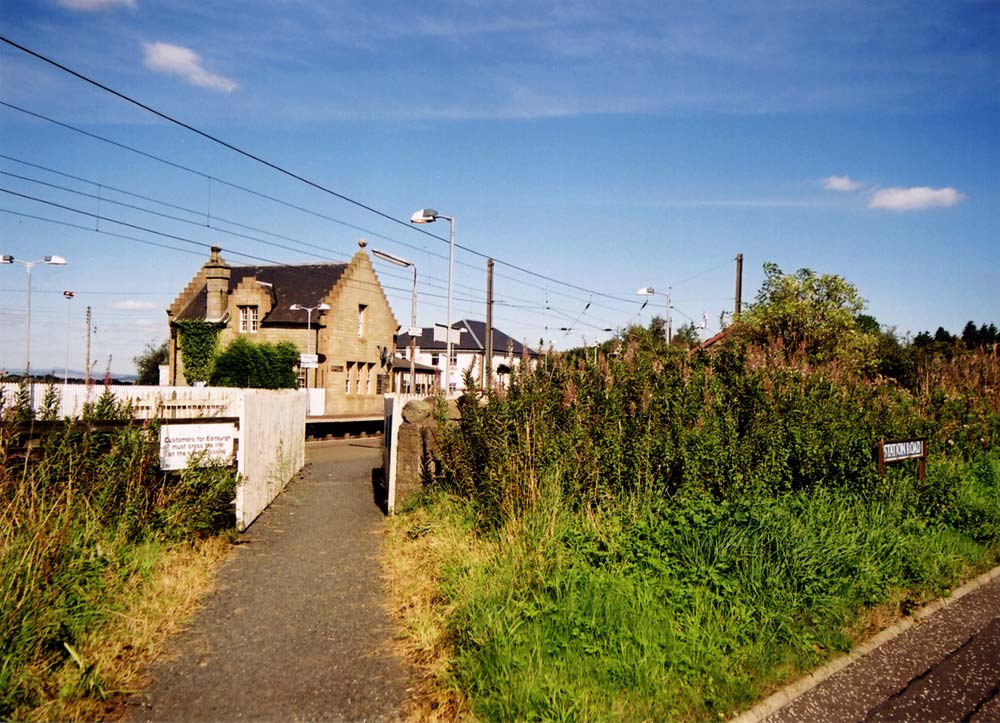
217 273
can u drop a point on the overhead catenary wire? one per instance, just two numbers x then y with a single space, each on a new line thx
105 232
245 189
500 301
289 173
204 245
193 212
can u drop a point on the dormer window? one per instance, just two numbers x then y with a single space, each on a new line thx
249 319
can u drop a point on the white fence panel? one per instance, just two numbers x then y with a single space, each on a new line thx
272 448
272 430
147 402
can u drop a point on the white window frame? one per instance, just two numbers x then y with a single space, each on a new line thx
249 319
362 308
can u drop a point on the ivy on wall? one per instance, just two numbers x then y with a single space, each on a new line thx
198 341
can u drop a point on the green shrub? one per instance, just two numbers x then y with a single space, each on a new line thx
261 366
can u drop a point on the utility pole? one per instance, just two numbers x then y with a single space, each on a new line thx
68 295
86 372
488 351
670 335
739 286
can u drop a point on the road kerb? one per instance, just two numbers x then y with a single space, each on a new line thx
792 691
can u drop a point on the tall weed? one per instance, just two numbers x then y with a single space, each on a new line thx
661 536
71 528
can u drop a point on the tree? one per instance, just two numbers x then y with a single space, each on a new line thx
868 323
658 328
809 313
686 336
970 334
943 336
147 364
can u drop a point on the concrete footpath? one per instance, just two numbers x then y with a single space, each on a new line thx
296 629
942 667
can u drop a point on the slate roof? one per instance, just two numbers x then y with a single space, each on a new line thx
305 284
473 338
401 363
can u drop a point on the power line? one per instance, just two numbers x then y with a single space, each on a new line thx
210 178
245 189
182 239
99 198
250 191
194 212
286 172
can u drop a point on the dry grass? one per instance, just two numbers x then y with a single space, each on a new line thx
109 664
417 546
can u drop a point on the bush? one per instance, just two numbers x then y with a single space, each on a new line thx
261 366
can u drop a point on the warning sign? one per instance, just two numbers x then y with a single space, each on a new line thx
179 441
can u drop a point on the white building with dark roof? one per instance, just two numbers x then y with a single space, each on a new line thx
469 353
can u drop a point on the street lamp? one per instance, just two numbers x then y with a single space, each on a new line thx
429 215
309 310
413 311
51 261
650 291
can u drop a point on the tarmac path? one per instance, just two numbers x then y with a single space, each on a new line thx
296 629
944 669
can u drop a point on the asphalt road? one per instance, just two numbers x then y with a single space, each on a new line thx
944 669
296 629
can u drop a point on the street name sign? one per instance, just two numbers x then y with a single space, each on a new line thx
903 449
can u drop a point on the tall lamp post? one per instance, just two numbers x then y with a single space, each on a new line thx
413 311
429 215
650 291
309 310
51 261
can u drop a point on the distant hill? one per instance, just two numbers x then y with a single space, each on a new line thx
76 376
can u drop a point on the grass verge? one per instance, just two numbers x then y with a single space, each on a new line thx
92 535
156 603
691 609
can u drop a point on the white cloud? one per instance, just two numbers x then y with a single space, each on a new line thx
185 63
841 183
95 5
133 305
914 199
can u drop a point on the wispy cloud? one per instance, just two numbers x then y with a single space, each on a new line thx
186 64
841 183
94 6
133 305
916 198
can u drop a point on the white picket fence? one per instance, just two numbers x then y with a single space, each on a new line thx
271 437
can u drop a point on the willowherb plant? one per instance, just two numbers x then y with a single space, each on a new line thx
653 422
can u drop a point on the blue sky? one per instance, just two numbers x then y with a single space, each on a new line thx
605 146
